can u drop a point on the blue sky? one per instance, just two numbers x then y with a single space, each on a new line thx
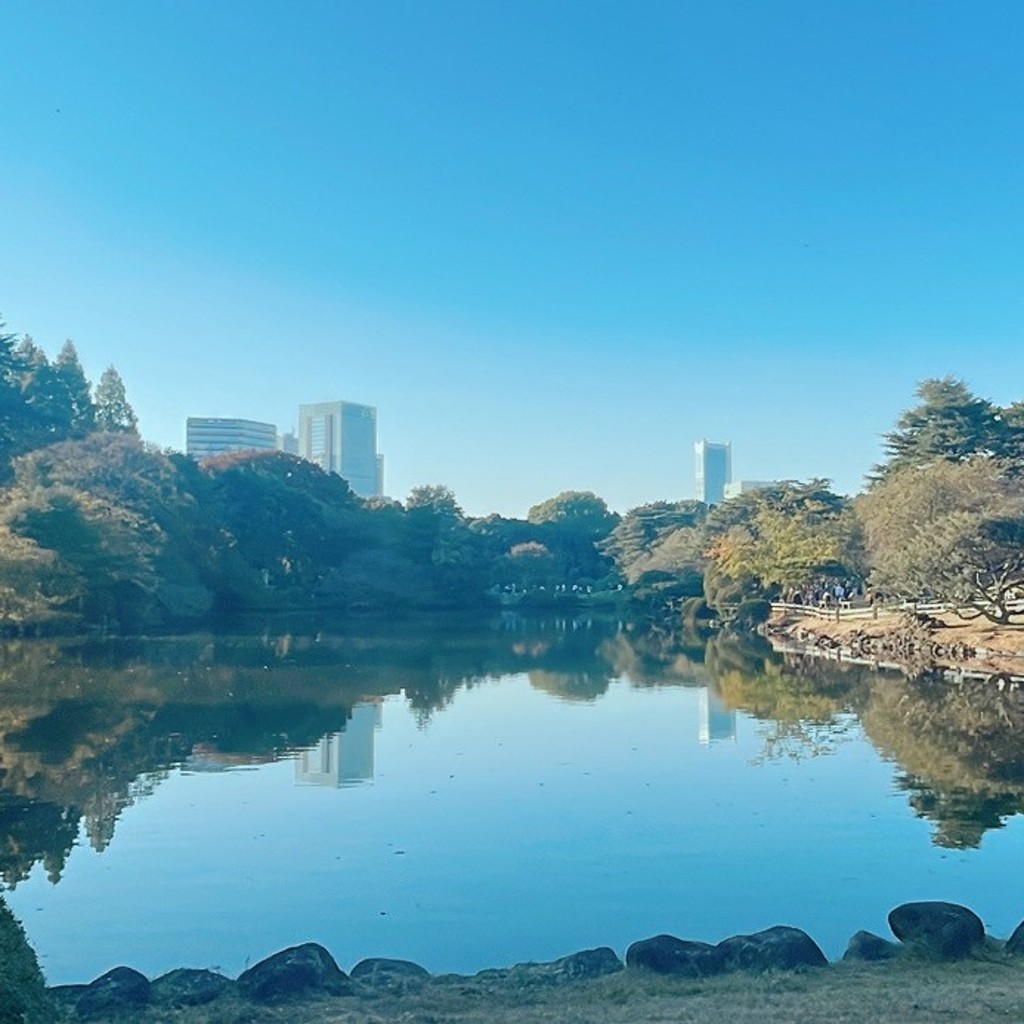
554 243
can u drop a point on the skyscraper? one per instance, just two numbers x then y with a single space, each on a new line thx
714 470
214 435
341 437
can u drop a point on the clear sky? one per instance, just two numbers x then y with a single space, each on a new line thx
553 242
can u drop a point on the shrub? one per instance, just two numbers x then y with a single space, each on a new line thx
23 997
752 612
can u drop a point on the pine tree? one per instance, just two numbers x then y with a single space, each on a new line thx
11 401
48 404
77 390
950 423
113 413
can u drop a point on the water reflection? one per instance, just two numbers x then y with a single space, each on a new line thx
89 728
717 719
343 758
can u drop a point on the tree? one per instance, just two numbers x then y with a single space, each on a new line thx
435 499
949 423
528 565
949 531
572 525
779 536
12 402
584 511
77 390
664 536
1012 417
48 404
113 413
40 402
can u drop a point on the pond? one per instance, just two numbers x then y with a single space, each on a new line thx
469 797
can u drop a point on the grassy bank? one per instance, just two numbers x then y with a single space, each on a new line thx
907 990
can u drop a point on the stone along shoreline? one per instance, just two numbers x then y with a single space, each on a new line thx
927 933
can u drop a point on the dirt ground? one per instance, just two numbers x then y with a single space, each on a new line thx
911 991
1000 647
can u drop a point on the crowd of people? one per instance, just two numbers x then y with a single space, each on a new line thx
824 592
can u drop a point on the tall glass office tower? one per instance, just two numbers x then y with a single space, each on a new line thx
341 437
714 470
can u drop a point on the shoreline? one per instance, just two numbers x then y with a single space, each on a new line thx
914 643
985 991
775 975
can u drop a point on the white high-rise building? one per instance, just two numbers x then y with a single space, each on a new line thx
714 470
341 437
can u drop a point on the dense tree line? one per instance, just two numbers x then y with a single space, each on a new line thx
44 401
97 527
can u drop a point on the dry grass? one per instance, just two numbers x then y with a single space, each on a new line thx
907 990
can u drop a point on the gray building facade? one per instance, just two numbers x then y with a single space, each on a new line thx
341 438
215 435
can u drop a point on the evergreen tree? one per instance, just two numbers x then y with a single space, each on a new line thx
46 397
950 423
77 390
113 413
11 402
1012 417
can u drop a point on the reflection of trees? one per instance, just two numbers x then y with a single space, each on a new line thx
960 747
87 727
654 657
32 832
581 686
805 713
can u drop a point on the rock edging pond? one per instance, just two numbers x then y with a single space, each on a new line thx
932 930
915 643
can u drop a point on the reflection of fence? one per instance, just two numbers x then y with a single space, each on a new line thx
952 673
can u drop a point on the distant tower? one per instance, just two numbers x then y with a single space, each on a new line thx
714 470
341 437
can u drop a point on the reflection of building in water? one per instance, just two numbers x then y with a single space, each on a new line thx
717 722
342 758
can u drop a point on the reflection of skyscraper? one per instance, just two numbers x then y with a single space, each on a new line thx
342 758
341 437
717 722
714 470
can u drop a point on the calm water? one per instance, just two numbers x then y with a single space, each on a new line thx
469 799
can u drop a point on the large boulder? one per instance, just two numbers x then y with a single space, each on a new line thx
1015 943
588 963
395 976
778 948
296 971
188 987
118 991
868 946
943 930
665 954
